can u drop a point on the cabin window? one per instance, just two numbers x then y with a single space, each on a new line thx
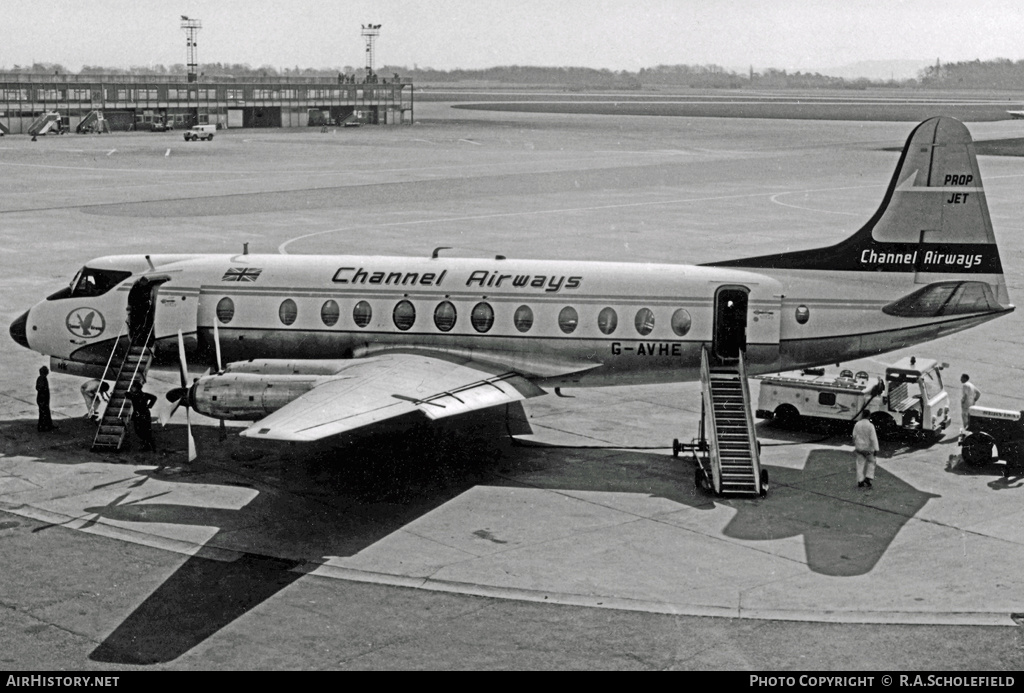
445 316
329 313
404 315
362 313
681 322
288 311
644 321
568 319
607 321
523 318
482 317
827 399
803 314
225 310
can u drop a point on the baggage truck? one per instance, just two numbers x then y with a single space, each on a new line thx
993 430
909 398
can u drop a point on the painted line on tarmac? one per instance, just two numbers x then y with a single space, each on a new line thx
775 199
668 608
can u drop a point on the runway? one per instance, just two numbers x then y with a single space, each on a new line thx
242 559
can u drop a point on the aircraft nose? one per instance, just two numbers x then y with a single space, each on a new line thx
19 330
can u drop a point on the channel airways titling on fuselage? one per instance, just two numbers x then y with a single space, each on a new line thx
478 278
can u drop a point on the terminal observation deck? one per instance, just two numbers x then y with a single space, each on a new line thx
146 102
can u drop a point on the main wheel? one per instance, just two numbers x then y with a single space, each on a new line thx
977 449
764 483
786 415
675 447
884 424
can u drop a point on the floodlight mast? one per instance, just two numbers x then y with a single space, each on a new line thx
191 27
370 34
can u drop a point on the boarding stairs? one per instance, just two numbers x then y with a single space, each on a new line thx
735 467
93 122
46 123
131 363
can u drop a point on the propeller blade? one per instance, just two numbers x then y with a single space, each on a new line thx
166 415
183 370
182 363
216 345
191 439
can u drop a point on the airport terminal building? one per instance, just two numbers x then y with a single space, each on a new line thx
101 103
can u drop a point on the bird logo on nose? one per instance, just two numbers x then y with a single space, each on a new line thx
85 322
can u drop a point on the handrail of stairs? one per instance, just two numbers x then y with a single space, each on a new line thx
711 430
752 438
110 359
138 364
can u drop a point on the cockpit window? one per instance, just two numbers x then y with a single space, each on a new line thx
945 298
93 282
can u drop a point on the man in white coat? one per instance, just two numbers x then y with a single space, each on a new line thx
865 445
969 395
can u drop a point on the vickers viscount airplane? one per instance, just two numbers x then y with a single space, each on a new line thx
319 345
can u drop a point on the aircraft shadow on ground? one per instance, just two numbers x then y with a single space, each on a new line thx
316 502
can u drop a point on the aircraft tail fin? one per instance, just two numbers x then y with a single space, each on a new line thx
933 221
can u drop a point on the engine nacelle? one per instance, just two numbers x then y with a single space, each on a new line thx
247 396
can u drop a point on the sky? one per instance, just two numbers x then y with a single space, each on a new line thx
807 35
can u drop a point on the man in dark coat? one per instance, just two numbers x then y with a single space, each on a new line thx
43 400
142 420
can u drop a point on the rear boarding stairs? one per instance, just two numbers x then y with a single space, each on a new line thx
726 451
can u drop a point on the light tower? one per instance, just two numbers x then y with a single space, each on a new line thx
370 34
191 27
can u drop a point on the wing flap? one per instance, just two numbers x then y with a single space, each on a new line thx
381 387
500 389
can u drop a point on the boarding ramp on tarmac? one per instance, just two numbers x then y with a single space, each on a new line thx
46 123
733 464
93 122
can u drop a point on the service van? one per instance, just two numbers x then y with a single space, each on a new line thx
200 132
909 398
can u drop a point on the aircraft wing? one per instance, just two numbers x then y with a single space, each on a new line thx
375 388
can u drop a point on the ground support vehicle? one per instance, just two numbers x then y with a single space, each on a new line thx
995 429
200 132
909 399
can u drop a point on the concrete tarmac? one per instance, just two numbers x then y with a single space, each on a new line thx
584 545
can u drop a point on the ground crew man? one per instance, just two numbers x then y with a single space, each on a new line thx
969 394
43 400
865 445
94 392
142 420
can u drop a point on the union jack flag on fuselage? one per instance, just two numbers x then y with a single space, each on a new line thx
242 274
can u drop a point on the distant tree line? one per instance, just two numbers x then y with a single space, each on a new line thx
978 74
